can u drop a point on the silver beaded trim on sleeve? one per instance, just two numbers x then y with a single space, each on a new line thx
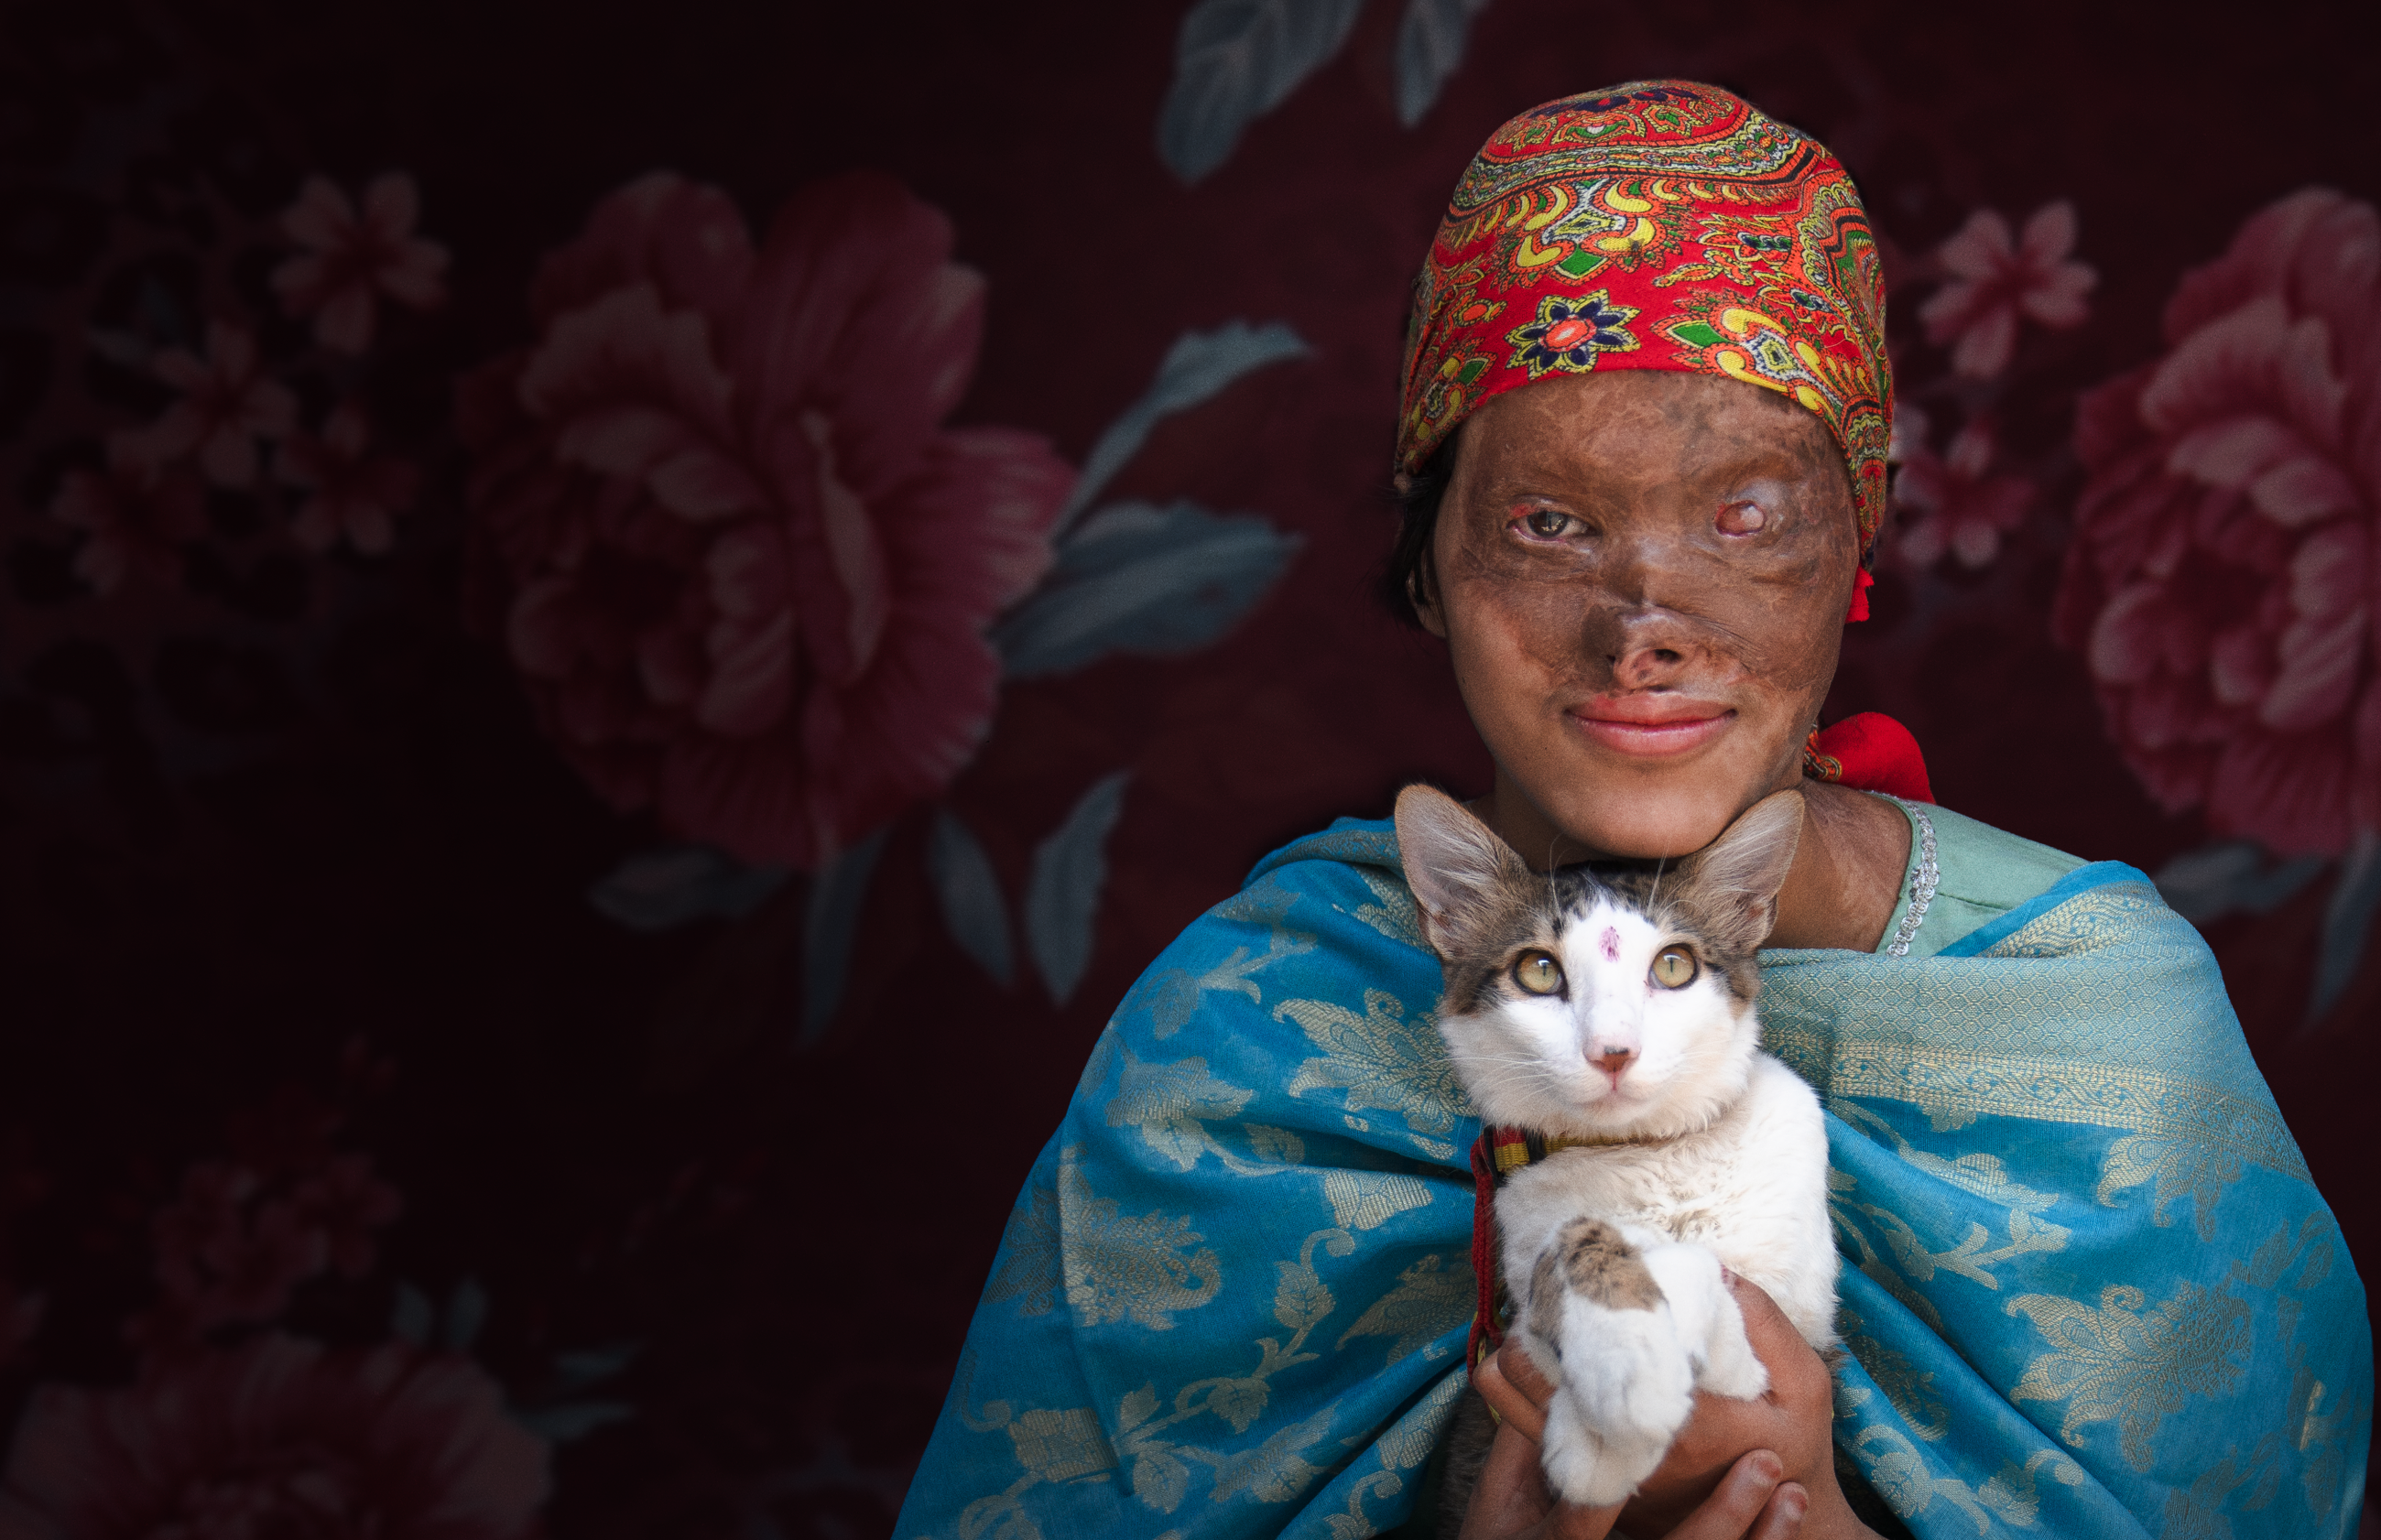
1922 882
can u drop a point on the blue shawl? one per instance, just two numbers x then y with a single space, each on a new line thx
2088 1288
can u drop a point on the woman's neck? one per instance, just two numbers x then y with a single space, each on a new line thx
1846 873
1841 889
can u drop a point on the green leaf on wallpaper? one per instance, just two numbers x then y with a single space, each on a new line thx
1062 892
973 910
2230 876
466 1313
1235 61
569 1420
830 927
2347 924
1195 368
1430 45
577 1370
411 1316
1144 579
671 885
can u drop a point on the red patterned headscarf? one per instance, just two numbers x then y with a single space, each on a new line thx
1658 224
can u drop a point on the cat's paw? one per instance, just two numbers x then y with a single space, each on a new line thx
1625 1382
1591 1468
1703 1309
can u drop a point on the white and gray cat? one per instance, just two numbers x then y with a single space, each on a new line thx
1614 1008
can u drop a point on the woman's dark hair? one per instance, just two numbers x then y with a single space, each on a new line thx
1409 561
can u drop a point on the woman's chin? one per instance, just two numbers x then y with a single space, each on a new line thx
1642 818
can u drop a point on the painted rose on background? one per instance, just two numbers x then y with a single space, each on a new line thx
743 570
279 1436
754 584
2223 573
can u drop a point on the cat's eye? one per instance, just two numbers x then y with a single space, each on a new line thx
1673 968
1538 972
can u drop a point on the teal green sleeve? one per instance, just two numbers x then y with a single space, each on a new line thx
1983 873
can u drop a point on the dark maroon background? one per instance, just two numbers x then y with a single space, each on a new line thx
230 849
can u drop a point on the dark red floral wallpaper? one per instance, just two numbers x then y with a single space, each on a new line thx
620 627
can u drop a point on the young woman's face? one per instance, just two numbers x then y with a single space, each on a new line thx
1642 577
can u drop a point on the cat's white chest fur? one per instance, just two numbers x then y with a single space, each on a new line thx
1752 1187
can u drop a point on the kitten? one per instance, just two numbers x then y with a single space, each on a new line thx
1616 1008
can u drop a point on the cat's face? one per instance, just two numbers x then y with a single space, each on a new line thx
1597 1006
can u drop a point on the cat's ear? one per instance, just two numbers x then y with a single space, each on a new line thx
1733 882
1458 868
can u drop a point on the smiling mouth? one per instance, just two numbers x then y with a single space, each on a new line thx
1653 727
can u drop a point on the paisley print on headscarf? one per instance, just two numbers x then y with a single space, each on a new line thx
1658 224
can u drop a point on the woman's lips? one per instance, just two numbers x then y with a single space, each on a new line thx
1653 728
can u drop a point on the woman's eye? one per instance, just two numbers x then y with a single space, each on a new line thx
1674 967
1743 518
1538 972
1546 524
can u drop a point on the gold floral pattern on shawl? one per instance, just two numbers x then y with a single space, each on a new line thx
1909 1389
2044 1039
1405 1446
1430 1300
1030 1272
1383 1061
1899 1473
2173 1168
1061 1445
2119 1364
1121 1267
1171 996
1367 1200
1391 912
2087 921
1172 1105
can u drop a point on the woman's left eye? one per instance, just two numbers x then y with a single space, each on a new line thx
1546 524
1674 967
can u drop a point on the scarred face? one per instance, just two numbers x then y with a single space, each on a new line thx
1642 578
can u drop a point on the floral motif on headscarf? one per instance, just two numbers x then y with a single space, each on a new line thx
1658 224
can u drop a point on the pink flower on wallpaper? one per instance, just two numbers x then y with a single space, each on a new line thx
278 1438
1995 278
348 1206
134 516
351 257
742 568
2226 562
233 1247
355 493
228 403
1961 506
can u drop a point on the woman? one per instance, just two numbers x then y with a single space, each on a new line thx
2088 1290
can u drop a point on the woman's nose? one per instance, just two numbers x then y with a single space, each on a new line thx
1644 647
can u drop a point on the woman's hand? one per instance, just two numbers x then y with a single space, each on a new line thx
1760 1470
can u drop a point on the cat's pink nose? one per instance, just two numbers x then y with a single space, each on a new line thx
1613 1061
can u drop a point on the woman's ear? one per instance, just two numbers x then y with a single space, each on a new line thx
1422 591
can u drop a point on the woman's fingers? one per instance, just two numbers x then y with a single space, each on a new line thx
1510 1500
1796 1372
1782 1520
1751 1503
1510 1383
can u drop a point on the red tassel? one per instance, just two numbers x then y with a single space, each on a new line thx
1870 752
1861 583
1485 1335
